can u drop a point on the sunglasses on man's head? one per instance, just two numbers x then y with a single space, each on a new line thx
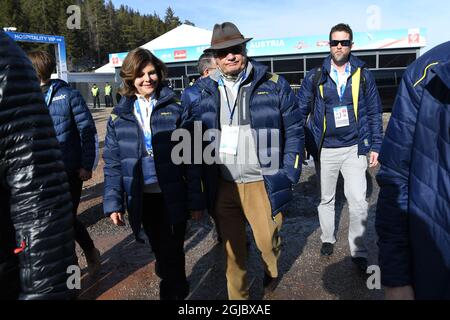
344 43
234 50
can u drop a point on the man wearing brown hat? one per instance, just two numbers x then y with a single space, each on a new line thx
251 180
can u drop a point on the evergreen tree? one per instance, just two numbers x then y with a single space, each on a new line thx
104 29
170 20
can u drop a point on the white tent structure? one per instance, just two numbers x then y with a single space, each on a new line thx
182 36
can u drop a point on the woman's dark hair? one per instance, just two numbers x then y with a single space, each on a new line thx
133 65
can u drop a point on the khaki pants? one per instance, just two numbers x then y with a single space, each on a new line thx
236 204
353 168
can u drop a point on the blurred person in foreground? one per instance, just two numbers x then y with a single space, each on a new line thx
36 230
413 210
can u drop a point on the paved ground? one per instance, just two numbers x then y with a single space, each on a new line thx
128 267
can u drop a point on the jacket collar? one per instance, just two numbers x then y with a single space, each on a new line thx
354 62
125 106
57 84
257 72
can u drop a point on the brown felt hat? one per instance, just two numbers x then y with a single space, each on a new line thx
226 35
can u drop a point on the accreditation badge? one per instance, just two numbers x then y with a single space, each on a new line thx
341 116
229 139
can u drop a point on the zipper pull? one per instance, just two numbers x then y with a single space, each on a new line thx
22 247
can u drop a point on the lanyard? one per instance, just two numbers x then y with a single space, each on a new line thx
341 85
228 101
146 129
48 96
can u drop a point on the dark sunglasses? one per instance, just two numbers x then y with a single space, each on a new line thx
234 50
344 43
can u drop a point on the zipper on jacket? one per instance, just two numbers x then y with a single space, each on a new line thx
24 251
22 247
243 103
241 97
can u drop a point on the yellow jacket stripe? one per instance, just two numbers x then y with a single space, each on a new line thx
425 73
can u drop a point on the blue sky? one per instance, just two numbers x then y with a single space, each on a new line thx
289 18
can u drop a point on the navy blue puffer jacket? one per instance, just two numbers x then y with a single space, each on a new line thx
369 113
74 126
273 106
181 186
413 212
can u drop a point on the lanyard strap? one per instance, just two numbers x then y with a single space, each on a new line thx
147 130
228 102
341 85
48 96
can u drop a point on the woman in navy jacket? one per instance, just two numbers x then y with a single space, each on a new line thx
139 170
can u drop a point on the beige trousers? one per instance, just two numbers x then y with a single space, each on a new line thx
236 204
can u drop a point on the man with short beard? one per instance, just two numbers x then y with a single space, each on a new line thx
344 125
241 98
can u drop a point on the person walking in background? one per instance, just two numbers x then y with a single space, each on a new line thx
343 109
139 169
95 95
413 210
206 64
36 226
239 98
77 137
108 96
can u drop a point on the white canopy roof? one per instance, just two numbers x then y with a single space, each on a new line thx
182 36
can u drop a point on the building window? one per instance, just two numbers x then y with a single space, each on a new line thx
267 63
294 78
371 60
288 65
311 63
176 71
192 70
396 60
177 83
388 77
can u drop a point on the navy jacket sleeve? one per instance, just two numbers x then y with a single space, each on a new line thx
294 138
193 171
113 197
86 128
374 111
306 94
392 208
